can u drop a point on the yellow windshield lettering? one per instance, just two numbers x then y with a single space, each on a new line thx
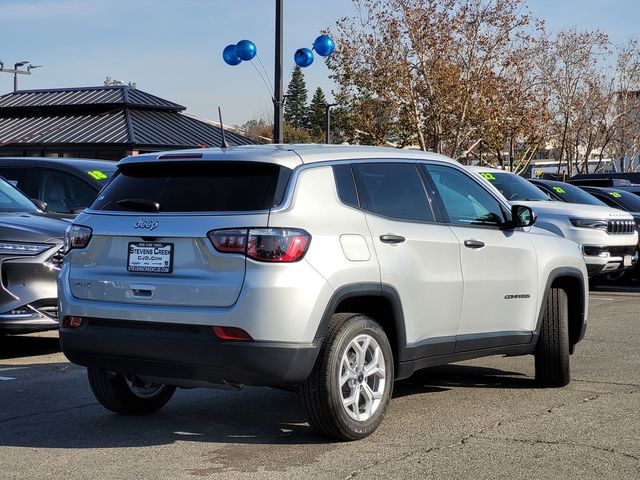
97 174
488 176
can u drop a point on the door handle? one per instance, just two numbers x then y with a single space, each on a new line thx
471 243
391 238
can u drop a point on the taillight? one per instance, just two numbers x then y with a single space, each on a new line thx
263 244
76 236
229 241
277 244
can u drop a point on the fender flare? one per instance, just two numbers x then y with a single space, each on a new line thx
354 290
556 273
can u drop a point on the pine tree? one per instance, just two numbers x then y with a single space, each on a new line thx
295 106
316 115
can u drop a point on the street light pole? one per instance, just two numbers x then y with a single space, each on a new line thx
328 115
278 93
16 71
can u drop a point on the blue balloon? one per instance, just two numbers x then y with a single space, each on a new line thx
246 49
324 45
303 57
230 55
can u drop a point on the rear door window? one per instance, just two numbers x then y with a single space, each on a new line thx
64 192
195 187
393 190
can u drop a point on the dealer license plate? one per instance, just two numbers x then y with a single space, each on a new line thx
150 257
628 261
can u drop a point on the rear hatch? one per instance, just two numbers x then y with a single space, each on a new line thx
149 241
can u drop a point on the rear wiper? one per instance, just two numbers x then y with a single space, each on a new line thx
143 204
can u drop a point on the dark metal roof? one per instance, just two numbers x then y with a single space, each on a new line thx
120 95
105 128
117 115
152 128
132 128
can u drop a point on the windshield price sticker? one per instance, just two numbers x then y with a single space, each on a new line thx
488 176
97 174
558 189
615 194
150 257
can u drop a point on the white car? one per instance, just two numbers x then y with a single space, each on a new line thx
331 270
607 236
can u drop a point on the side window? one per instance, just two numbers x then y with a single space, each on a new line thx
345 185
393 190
64 192
464 201
15 176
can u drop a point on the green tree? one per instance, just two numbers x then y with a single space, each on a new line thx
316 115
295 106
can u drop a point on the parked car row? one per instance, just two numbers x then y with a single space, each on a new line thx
32 233
608 237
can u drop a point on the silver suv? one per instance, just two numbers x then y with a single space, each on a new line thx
332 270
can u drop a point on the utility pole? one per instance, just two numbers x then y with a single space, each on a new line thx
278 102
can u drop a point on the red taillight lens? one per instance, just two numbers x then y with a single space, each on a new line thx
72 322
76 236
229 241
277 244
232 334
263 244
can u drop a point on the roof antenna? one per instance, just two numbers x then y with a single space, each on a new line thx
224 139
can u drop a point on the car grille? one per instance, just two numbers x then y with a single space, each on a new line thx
141 325
621 227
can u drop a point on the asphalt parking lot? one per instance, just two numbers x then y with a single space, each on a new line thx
473 420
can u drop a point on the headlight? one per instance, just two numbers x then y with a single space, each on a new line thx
598 224
16 248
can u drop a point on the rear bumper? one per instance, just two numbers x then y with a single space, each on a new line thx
185 355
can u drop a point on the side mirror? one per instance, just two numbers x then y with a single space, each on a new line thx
40 204
522 216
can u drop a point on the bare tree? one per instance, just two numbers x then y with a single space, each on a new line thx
442 68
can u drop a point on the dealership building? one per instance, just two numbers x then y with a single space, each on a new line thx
106 122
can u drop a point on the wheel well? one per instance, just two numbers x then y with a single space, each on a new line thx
381 310
575 298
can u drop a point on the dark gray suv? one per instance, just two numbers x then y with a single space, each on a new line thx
30 259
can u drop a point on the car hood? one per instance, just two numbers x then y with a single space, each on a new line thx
31 227
577 210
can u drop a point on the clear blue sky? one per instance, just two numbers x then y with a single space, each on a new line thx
172 48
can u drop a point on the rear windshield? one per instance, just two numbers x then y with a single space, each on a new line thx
194 187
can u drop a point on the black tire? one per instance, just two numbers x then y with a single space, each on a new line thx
321 394
552 350
115 394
